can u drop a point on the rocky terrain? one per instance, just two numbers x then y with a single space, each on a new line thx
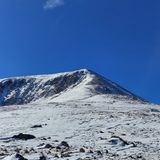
89 118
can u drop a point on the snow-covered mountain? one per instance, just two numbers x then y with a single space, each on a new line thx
69 86
77 115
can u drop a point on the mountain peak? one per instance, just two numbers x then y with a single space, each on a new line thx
76 85
83 71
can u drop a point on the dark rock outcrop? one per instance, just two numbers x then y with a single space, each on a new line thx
22 136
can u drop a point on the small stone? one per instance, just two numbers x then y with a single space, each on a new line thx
82 150
90 151
44 138
42 157
2 154
26 151
99 153
58 147
56 156
48 146
37 126
65 144
65 155
107 151
56 141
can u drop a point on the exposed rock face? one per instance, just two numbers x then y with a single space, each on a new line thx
22 136
23 90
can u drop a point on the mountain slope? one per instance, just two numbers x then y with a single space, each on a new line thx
94 130
75 115
76 85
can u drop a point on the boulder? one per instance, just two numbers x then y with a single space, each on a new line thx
22 136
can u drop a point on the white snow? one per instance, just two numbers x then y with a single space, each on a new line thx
61 87
106 126
89 123
12 157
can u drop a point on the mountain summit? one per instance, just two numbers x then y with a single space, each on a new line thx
68 86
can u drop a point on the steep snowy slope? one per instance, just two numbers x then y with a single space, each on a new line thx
76 85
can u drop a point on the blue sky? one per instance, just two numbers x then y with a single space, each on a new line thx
119 39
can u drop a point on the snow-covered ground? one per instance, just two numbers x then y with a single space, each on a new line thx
101 127
77 115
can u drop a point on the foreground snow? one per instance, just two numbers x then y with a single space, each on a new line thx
105 128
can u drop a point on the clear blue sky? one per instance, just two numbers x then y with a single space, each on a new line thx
119 39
